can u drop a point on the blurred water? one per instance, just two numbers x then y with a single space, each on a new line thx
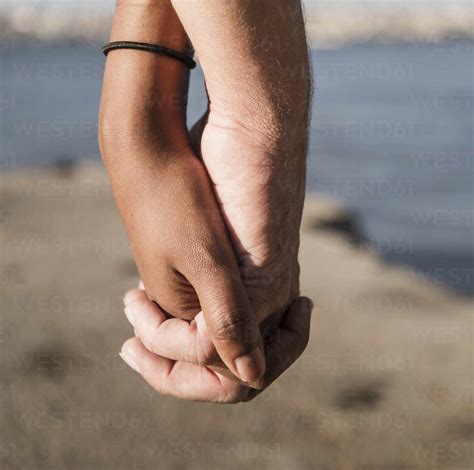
391 137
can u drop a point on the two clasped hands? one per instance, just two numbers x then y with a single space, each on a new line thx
212 213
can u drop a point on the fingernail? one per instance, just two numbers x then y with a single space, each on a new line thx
252 366
128 359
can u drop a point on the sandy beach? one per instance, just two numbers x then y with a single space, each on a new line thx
385 383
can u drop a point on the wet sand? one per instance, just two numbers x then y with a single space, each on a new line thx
385 383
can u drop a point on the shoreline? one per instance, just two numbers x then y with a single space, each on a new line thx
328 26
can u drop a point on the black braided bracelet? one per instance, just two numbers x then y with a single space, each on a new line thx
143 46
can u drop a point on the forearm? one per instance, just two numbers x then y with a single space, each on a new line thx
142 112
255 59
143 97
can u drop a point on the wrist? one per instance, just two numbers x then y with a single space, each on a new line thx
149 21
264 130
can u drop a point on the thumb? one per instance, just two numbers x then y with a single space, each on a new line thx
233 328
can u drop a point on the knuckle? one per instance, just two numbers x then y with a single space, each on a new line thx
203 256
148 343
205 351
132 295
209 260
139 305
228 324
205 354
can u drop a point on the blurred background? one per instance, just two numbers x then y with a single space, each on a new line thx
387 255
